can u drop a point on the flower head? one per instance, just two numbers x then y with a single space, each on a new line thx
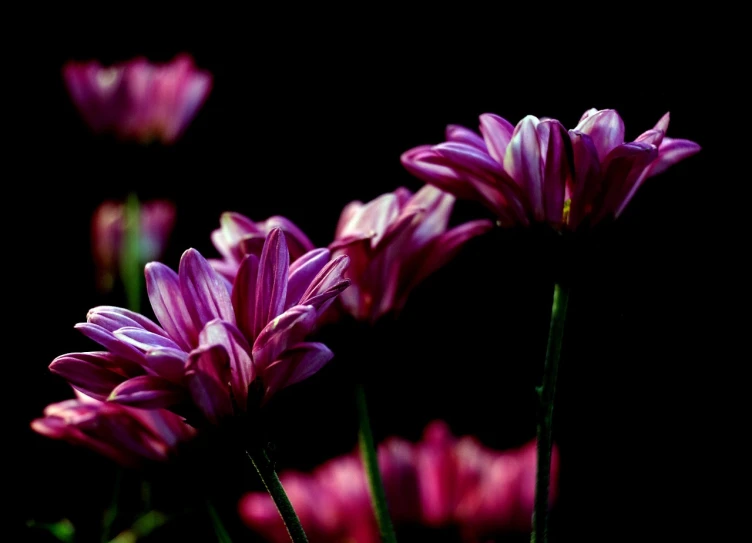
215 338
108 225
394 242
238 236
138 100
538 171
124 434
441 481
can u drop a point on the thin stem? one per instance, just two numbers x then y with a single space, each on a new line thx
546 393
274 486
370 460
219 528
131 272
112 511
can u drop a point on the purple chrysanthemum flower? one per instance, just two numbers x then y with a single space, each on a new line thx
215 338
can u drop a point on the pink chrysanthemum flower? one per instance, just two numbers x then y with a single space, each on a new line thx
215 338
440 482
127 435
108 224
138 100
238 236
540 172
394 242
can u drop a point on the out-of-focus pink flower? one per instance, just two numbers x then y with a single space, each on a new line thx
540 172
238 236
108 224
124 434
394 242
215 338
441 481
138 100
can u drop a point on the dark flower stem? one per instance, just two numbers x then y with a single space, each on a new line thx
219 528
546 393
273 485
130 256
370 460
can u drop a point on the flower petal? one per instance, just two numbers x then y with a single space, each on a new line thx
113 344
302 273
605 128
88 373
204 290
163 288
144 340
497 133
208 381
271 287
557 172
167 363
148 392
297 242
524 163
281 333
460 134
242 373
299 363
112 318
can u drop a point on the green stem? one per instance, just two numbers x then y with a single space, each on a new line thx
274 486
219 529
112 511
370 460
546 393
131 272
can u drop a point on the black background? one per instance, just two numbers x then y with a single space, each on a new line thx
303 120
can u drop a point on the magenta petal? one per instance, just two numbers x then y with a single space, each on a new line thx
670 152
605 128
241 366
271 288
621 171
497 133
113 344
299 363
302 272
207 376
163 287
167 363
119 317
244 295
557 171
586 184
234 227
460 134
281 333
297 242
329 282
144 340
205 292
524 163
147 392
85 372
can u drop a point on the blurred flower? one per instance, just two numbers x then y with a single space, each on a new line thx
108 225
124 434
394 242
540 172
215 338
239 236
441 481
138 100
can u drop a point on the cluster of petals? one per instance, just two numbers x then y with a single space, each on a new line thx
540 172
138 100
394 242
439 482
238 236
156 219
214 338
127 435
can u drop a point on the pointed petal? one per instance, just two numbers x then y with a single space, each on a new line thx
207 377
271 288
524 163
113 318
302 272
244 294
460 134
329 282
299 363
281 333
662 123
241 366
148 392
144 340
204 291
586 183
670 152
163 288
497 133
622 169
86 373
605 128
557 173
113 344
297 242
234 227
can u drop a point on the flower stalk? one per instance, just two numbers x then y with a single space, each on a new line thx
370 460
271 481
546 393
